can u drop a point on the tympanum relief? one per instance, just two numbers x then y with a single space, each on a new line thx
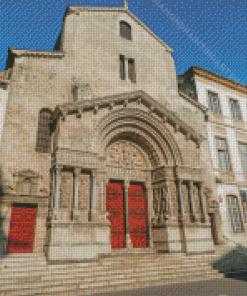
125 154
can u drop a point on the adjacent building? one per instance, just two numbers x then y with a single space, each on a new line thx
226 121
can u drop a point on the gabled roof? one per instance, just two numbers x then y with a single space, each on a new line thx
78 9
124 99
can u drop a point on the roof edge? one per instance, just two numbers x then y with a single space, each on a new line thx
195 70
193 102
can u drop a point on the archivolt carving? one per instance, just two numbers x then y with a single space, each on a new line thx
162 148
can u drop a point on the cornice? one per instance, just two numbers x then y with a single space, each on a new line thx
41 53
195 70
124 99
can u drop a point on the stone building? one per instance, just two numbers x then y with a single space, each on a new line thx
99 150
226 101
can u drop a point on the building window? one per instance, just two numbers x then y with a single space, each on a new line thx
127 68
235 109
125 30
214 102
43 143
122 67
243 194
234 213
131 70
243 152
222 154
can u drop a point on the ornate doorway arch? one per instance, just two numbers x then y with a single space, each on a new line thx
134 144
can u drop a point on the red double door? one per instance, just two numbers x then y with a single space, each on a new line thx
137 210
21 230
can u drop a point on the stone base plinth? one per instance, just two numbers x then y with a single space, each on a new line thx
198 238
77 241
167 238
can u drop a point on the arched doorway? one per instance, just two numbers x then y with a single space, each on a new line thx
135 147
128 170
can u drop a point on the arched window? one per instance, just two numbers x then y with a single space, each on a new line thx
125 30
43 143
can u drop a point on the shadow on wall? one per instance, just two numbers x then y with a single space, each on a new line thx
233 264
2 218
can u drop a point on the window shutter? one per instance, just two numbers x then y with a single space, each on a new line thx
234 213
235 109
214 102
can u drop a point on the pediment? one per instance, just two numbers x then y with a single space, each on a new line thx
124 99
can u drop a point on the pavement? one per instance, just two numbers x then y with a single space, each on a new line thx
215 287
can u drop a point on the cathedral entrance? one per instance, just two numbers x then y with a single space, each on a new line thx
136 218
21 230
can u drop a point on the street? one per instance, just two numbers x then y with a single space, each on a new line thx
217 287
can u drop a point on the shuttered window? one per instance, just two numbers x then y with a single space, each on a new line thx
234 213
243 152
125 30
243 194
43 143
214 102
222 154
235 109
131 70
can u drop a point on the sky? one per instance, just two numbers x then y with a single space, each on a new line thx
209 34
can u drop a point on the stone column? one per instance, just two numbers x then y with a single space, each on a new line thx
171 217
192 201
150 213
203 203
180 199
128 239
75 211
93 199
101 196
57 191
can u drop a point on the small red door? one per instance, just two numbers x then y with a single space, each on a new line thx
115 207
137 216
21 230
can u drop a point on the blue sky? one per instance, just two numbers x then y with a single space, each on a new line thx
209 34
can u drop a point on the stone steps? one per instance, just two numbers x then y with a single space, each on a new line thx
113 273
99 273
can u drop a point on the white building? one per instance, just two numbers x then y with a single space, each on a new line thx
226 101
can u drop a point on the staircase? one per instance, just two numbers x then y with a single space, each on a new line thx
29 274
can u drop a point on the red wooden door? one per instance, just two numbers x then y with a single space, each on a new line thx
115 207
137 216
21 230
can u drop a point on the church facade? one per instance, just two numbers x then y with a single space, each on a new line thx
99 150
